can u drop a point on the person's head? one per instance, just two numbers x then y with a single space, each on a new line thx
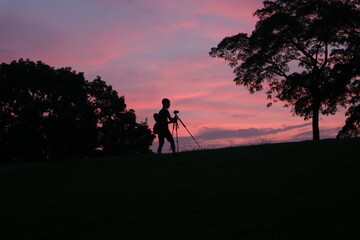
166 103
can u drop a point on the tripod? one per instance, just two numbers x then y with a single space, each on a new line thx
176 127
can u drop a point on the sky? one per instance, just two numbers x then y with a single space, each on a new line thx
154 49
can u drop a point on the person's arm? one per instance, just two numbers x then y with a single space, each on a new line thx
170 118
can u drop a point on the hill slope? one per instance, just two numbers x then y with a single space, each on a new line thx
307 190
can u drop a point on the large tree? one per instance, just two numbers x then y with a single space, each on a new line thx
302 52
44 112
47 112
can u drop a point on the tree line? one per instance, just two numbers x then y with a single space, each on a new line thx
305 53
50 113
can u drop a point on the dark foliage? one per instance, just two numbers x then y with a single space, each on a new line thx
305 53
48 112
352 125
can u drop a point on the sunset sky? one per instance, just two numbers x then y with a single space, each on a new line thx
151 49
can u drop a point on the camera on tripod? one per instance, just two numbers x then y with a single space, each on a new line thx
176 111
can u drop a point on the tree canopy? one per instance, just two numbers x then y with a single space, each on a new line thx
48 112
304 53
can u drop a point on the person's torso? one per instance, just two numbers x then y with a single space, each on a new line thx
163 117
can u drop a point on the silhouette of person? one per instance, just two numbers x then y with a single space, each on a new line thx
163 119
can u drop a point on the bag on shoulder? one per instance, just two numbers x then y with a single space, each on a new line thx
156 125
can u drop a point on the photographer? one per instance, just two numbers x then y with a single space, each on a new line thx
163 119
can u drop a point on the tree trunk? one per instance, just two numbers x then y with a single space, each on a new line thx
315 124
316 105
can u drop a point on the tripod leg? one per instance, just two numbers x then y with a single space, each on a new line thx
172 133
188 131
176 127
177 137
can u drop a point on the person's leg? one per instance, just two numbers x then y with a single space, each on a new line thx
161 143
170 138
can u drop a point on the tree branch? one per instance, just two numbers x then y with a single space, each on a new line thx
277 69
326 57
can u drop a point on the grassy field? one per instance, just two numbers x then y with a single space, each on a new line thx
307 190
